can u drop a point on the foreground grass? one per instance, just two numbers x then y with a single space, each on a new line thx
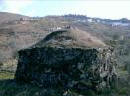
6 75
8 87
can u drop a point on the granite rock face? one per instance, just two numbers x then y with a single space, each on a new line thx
70 67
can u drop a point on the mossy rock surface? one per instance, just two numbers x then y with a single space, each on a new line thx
67 67
67 58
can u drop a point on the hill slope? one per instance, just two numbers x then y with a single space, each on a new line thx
17 34
71 38
6 17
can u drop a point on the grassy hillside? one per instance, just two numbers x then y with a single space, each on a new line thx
16 34
6 17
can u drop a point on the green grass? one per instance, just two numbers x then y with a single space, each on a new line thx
8 87
6 75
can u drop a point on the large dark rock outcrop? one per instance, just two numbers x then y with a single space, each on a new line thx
53 63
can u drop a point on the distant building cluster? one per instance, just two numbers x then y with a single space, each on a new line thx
120 24
26 20
30 19
59 28
113 23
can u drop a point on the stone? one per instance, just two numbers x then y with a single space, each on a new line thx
57 66
75 67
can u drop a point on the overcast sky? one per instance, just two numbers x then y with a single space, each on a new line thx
113 9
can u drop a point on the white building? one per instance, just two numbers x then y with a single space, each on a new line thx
120 24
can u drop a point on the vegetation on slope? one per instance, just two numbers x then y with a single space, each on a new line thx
30 32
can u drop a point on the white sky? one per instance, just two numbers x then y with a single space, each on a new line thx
113 9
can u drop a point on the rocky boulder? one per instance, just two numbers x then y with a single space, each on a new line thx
52 63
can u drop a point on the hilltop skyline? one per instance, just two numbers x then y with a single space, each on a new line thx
101 9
